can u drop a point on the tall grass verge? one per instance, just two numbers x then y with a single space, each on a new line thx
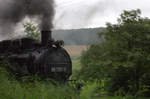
12 89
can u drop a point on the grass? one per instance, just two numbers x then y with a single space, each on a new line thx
119 97
12 89
76 65
37 89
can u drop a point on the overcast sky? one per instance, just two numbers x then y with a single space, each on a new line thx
94 13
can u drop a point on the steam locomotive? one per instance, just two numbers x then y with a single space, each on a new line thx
47 58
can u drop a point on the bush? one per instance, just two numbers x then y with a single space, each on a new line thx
122 58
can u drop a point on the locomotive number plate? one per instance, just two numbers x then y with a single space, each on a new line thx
58 69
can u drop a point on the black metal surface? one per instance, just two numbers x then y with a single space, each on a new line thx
27 57
45 37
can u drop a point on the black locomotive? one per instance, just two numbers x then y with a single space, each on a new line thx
46 59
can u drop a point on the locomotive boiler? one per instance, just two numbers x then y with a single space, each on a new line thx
28 57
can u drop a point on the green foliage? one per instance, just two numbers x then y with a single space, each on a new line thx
12 89
91 69
122 58
88 91
32 31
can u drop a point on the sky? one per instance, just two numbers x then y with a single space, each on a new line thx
73 14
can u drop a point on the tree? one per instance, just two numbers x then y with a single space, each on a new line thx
32 31
124 56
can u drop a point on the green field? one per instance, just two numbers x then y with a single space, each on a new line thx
76 65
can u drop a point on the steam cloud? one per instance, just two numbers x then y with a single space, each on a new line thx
14 11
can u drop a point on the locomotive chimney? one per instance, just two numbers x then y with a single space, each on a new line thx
45 37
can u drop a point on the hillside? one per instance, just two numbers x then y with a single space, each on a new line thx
78 36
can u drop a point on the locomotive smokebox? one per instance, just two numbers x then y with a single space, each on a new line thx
46 35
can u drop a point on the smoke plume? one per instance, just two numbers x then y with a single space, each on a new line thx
14 11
